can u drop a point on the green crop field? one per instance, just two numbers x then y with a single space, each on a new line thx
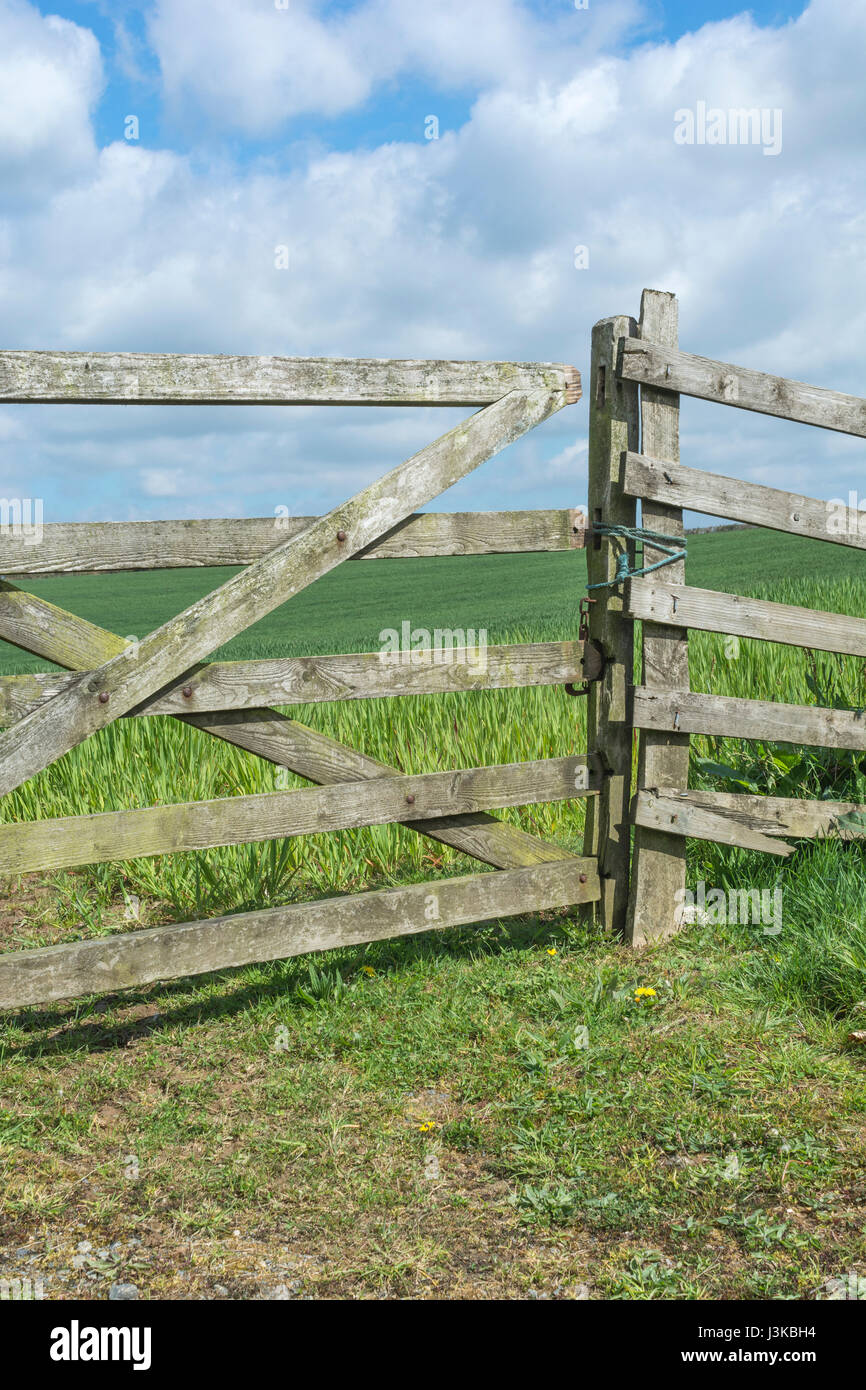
427 1117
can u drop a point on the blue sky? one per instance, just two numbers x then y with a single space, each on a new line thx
261 126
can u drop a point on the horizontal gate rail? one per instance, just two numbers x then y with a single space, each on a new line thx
736 500
726 716
676 815
781 815
194 948
110 547
656 365
162 378
194 825
711 611
224 685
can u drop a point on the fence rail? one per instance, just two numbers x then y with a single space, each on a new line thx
735 500
158 378
779 815
660 365
708 610
194 948
110 547
224 685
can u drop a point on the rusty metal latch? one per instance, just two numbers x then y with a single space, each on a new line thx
582 636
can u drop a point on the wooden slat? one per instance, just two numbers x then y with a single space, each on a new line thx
658 867
727 717
659 364
195 948
49 631
735 500
684 607
123 682
160 378
782 815
673 815
613 426
358 676
322 759
113 836
109 547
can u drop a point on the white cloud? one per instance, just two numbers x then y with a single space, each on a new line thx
457 247
251 66
50 79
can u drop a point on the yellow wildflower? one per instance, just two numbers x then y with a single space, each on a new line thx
645 992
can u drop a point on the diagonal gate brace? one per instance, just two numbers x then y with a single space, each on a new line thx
104 694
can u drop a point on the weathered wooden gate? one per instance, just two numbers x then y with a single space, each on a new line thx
628 357
166 673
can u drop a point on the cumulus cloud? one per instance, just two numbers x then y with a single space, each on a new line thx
50 79
462 246
252 66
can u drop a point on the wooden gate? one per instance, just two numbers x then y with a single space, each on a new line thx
628 356
166 673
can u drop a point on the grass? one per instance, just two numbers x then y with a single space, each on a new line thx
477 1113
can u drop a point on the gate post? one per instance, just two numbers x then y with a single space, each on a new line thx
613 429
659 864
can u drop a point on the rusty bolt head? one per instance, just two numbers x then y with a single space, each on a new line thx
341 535
187 692
582 878
103 697
410 800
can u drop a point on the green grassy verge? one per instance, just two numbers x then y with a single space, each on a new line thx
483 1113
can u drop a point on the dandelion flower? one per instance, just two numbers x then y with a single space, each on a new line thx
551 950
645 992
